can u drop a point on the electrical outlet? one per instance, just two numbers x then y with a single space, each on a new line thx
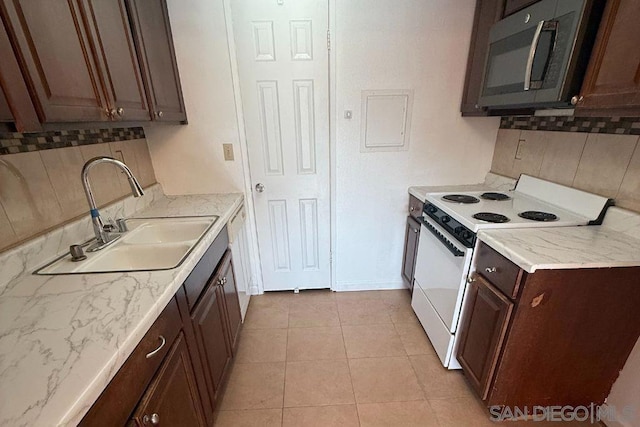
228 152
520 149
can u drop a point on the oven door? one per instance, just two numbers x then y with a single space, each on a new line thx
442 266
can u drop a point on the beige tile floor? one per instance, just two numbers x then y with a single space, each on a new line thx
344 359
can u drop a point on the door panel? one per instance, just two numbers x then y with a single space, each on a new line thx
117 57
209 326
58 59
412 236
283 67
152 30
5 112
231 301
172 399
487 315
612 81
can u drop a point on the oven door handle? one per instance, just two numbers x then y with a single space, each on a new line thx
438 235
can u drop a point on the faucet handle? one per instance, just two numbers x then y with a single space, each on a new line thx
122 225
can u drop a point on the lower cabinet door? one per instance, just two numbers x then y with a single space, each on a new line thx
209 326
411 239
172 399
486 316
232 303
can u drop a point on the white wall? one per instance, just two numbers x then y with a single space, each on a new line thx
411 44
189 159
626 391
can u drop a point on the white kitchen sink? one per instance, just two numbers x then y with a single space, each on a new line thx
164 232
150 244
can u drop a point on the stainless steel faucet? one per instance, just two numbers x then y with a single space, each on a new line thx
105 233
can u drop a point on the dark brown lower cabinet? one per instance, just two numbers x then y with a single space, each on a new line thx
411 238
483 331
232 303
210 329
180 386
172 399
550 337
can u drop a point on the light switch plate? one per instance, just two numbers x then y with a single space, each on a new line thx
228 152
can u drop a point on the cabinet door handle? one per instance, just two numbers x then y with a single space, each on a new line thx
412 208
490 269
154 419
415 230
120 111
154 352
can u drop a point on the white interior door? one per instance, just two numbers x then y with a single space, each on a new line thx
284 72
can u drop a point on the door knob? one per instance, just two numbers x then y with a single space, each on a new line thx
259 187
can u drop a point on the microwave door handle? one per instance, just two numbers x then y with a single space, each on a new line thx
532 55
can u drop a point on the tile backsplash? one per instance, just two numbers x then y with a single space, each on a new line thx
42 189
612 125
16 142
600 163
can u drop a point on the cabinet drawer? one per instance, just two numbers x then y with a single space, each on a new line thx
197 280
118 400
501 272
415 207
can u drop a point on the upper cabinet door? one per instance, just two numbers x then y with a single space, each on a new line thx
56 59
116 55
612 83
5 112
152 32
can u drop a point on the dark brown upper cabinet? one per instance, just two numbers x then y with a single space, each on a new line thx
112 42
5 112
487 13
612 83
88 61
152 32
55 56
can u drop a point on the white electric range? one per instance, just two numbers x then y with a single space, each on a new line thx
448 238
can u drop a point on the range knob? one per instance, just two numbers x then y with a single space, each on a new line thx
445 219
466 234
431 209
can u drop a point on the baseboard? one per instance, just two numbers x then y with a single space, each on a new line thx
368 286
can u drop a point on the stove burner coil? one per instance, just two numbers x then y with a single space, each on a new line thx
494 196
538 216
460 198
491 217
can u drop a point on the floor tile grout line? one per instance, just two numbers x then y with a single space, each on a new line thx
353 390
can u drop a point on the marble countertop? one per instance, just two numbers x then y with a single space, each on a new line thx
564 247
63 338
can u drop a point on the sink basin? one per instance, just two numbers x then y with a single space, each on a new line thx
165 232
138 257
150 244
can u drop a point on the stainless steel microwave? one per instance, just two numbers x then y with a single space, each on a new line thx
537 57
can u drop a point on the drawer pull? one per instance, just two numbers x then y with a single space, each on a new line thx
490 269
154 419
154 352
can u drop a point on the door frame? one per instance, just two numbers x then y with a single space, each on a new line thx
257 281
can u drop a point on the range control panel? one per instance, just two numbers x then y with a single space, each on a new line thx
457 230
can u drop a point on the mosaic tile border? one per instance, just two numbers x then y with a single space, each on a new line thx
612 125
16 142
